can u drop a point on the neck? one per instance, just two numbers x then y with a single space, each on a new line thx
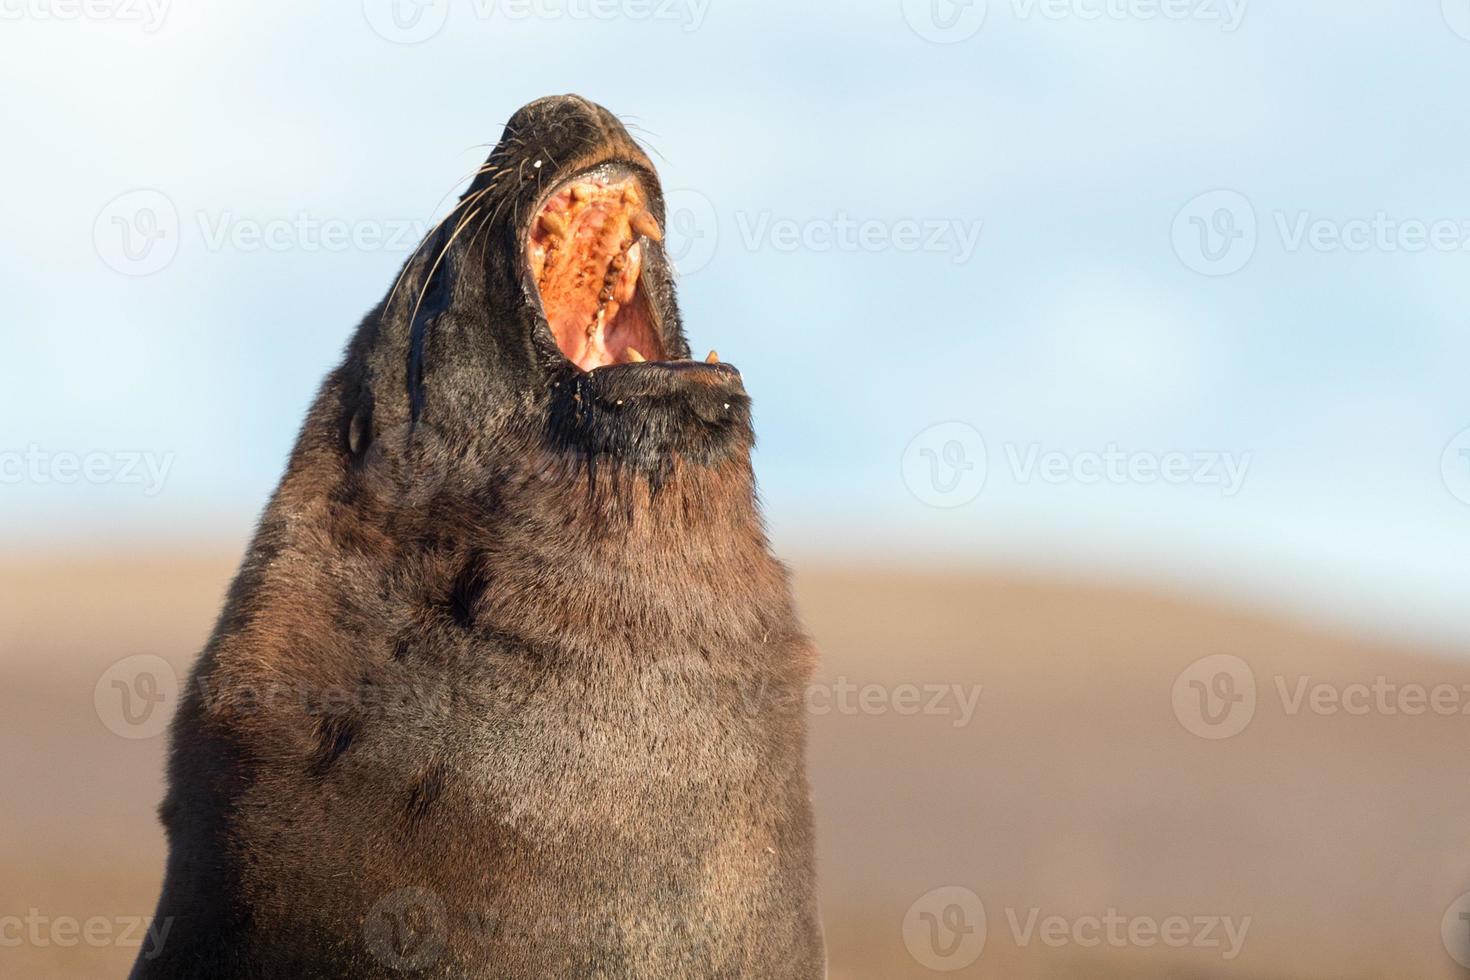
560 548
636 560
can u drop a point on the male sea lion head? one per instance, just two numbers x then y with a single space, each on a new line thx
540 318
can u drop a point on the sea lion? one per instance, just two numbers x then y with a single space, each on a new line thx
509 683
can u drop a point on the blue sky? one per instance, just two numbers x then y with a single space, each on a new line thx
1236 234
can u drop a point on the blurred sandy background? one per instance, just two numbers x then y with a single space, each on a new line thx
1072 787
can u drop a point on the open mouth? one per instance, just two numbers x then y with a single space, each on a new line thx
586 251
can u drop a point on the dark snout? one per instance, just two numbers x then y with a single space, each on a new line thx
649 413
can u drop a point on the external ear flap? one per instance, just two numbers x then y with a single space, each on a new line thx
360 429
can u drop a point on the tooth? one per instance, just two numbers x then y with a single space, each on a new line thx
634 356
630 196
580 194
618 261
554 224
713 358
646 225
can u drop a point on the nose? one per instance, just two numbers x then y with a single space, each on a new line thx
706 389
573 133
553 107
562 120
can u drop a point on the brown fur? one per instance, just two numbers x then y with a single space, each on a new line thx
509 684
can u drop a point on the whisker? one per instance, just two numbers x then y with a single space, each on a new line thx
642 136
479 171
407 266
484 230
435 268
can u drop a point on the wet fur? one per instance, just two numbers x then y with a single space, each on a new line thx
509 684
